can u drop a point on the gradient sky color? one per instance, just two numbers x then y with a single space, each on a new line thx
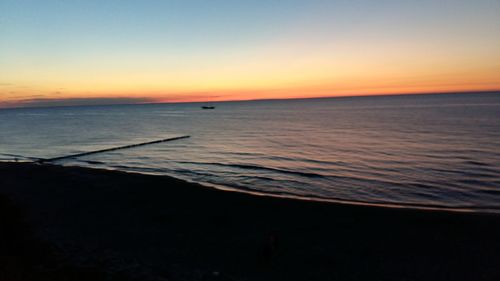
116 51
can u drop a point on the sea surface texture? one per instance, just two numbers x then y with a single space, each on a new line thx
439 151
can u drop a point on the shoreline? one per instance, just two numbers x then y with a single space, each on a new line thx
152 227
484 210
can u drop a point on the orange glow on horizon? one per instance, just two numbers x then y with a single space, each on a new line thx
317 91
267 76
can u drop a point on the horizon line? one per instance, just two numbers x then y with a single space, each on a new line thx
249 100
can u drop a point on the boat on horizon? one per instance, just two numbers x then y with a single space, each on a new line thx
208 107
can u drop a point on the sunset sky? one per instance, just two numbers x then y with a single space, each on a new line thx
123 51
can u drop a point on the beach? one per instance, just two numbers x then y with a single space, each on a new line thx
74 223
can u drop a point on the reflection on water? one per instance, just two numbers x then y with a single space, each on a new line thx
431 150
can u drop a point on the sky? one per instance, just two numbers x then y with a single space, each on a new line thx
121 51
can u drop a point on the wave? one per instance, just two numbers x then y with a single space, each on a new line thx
258 168
379 203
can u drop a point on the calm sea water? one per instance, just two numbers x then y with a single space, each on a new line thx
426 150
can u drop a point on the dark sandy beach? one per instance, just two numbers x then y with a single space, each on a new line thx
69 223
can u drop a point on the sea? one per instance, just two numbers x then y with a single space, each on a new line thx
433 151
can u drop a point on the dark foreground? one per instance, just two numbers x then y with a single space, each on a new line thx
60 223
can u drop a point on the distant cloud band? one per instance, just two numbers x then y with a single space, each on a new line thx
47 102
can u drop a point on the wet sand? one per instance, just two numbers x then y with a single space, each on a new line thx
71 223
